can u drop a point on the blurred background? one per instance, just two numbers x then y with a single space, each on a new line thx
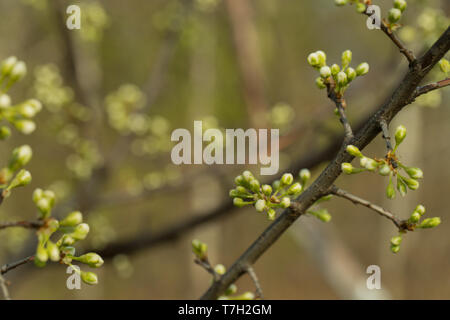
115 90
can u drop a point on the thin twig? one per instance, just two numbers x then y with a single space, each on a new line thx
252 274
21 224
387 137
4 287
401 224
405 51
11 266
340 103
204 263
430 87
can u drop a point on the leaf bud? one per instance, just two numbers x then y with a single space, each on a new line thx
362 69
400 134
430 223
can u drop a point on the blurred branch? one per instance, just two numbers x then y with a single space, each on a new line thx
400 224
252 274
10 266
400 98
22 224
4 287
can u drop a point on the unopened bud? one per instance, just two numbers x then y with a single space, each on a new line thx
271 214
322 58
400 4
394 15
20 157
21 179
351 74
5 133
304 175
400 134
296 188
248 176
335 69
420 209
73 219
199 249
260 205
220 269
401 187
362 69
320 84
354 151
415 217
89 278
313 60
385 170
325 72
340 2
444 65
287 179
285 202
430 223
266 189
395 249
25 126
7 65
53 251
254 185
41 253
360 7
414 173
411 183
347 168
342 79
5 101
18 71
92 259
239 202
346 58
395 241
81 231
390 190
239 180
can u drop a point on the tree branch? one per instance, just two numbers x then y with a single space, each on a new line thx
4 287
405 51
11 266
430 87
399 99
252 274
400 224
22 224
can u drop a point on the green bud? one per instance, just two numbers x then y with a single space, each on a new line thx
232 289
296 188
400 134
7 65
248 176
199 249
385 170
239 180
285 202
41 253
5 101
395 249
239 202
254 185
81 231
72 219
335 69
401 186
400 4
368 163
53 251
325 72
313 60
260 205
322 214
89 278
341 79
347 168
37 195
411 183
354 151
430 223
351 74
390 190
415 217
30 108
21 179
287 179
92 259
420 209
18 71
304 175
271 214
245 296
340 3
444 65
242 191
20 157
66 240
414 173
320 84
233 193
25 126
5 133
220 269
346 58
322 58
395 241
276 185
360 7
394 15
362 69
267 190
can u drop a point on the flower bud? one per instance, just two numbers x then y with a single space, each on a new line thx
296 188
30 108
254 185
25 126
21 179
81 231
395 241
420 209
37 195
351 74
276 185
66 240
220 269
313 60
395 249
394 15
444 65
400 4
5 133
199 249
320 84
239 180
323 215
341 79
242 191
285 202
304 175
415 217
287 179
401 187
232 289
267 190
92 259
89 278
53 251
340 3
360 7
390 190
362 69
325 72
72 219
430 223
18 71
385 170
368 163
41 253
233 193
411 183
7 65
354 151
20 157
400 134
346 58
322 58
260 205
414 173
335 69
347 168
248 176
271 214
5 101
239 202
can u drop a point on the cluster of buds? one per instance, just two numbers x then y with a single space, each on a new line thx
200 250
20 115
266 198
360 5
72 229
335 76
414 222
389 166
13 176
395 13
